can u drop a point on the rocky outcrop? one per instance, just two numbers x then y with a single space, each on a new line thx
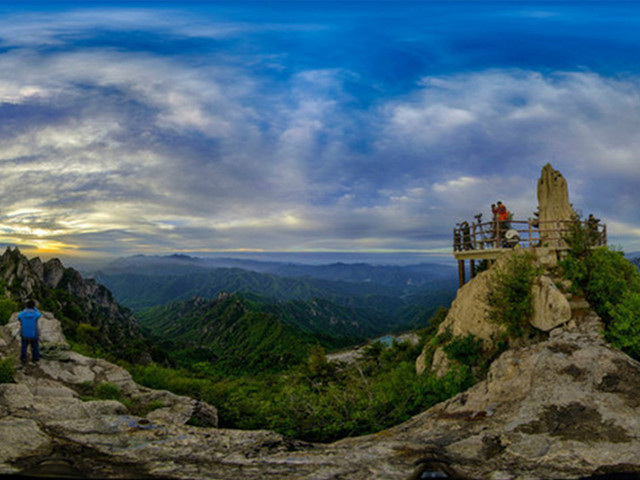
563 408
49 394
553 206
550 307
469 313
65 291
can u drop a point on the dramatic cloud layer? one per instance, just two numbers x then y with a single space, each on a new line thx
162 130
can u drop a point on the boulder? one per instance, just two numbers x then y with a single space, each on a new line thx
550 307
21 438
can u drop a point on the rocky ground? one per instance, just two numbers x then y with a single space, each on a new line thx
567 407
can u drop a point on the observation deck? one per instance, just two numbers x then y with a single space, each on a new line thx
490 240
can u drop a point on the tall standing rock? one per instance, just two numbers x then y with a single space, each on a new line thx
553 205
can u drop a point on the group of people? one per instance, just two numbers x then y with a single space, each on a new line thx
501 223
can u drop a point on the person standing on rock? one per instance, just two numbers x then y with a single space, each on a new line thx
29 331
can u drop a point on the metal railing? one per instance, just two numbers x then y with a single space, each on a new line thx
529 233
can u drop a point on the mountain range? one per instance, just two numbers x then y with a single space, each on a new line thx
338 303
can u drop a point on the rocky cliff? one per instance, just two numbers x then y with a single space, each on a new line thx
73 299
470 311
566 407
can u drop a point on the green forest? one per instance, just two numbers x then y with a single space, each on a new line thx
316 400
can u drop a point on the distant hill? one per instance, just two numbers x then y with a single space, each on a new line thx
337 305
140 291
377 299
398 280
230 332
390 275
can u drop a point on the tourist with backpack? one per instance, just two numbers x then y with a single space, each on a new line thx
29 331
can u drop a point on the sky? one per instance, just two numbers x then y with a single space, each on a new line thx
308 126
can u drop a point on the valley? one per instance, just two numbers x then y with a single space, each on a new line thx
185 301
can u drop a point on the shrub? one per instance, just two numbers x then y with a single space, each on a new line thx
7 307
609 277
107 391
611 284
88 335
623 330
466 350
510 300
6 370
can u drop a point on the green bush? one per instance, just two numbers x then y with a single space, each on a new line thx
623 330
466 350
510 300
6 370
107 391
611 285
7 307
609 277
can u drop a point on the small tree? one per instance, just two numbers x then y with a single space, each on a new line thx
510 299
88 334
7 307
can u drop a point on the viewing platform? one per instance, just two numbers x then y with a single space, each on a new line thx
490 240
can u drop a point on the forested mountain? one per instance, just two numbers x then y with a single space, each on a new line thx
139 290
339 301
230 333
204 323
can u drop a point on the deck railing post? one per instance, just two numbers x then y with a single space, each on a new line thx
530 234
461 279
475 243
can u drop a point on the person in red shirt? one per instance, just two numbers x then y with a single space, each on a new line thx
502 216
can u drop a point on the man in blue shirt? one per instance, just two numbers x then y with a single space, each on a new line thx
29 331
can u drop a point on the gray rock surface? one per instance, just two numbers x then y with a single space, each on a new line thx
48 394
566 407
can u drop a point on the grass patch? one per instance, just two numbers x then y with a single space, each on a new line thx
6 370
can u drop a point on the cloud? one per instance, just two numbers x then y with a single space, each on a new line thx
128 150
55 29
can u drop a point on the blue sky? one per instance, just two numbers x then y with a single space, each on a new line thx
195 127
